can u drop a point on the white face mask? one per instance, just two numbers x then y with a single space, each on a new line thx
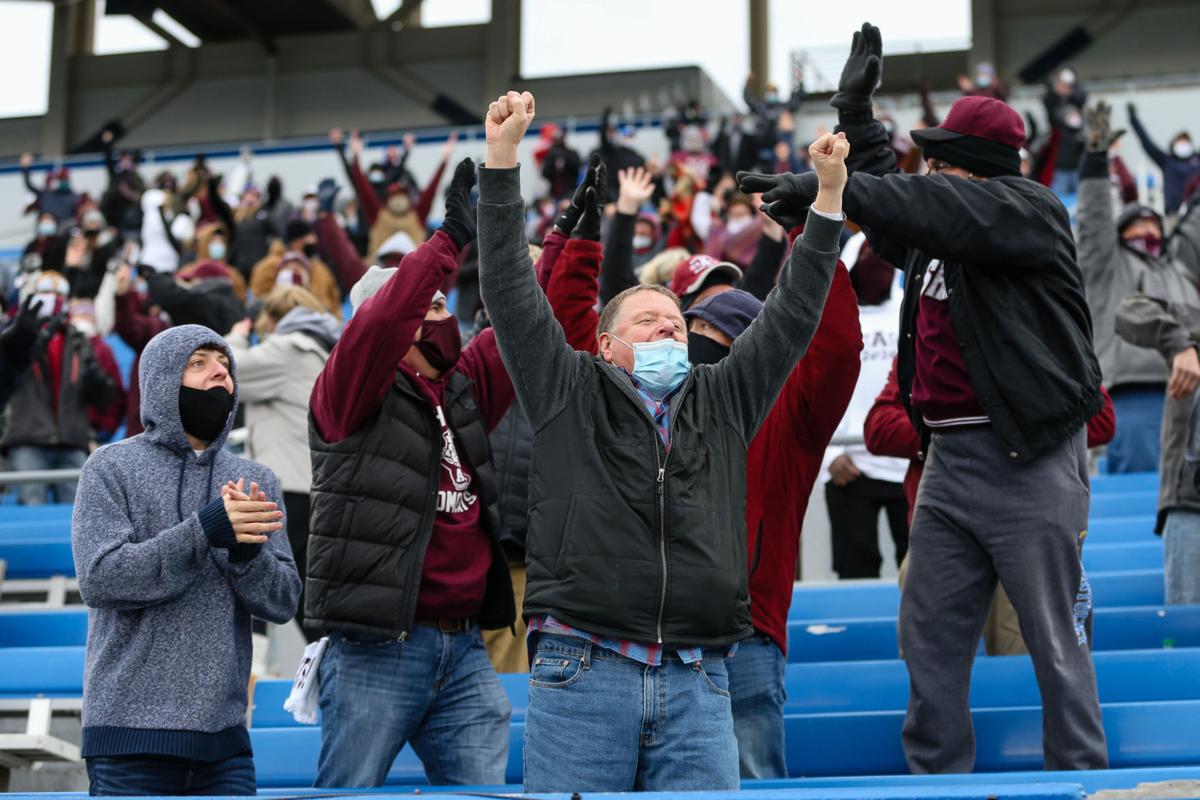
642 243
736 226
47 228
1183 149
216 250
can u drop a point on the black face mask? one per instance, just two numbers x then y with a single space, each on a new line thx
204 413
704 350
310 250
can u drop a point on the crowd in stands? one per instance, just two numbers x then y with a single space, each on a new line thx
575 434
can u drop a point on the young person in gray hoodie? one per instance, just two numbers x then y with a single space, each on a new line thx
177 544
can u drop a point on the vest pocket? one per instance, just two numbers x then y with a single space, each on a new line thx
567 529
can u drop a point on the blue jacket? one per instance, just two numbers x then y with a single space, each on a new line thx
170 592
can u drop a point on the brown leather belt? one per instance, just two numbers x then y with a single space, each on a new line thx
448 625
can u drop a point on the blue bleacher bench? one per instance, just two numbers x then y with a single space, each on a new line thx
858 639
848 599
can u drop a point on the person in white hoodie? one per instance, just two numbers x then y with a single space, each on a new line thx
275 380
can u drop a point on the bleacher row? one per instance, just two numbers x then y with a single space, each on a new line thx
846 689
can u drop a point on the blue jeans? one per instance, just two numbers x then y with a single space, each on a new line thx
24 459
756 682
1139 410
164 776
435 690
1181 557
1065 182
600 722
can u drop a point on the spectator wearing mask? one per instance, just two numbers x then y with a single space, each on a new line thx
1065 101
783 461
136 320
90 250
1167 323
860 484
212 246
736 144
1119 260
104 419
45 232
253 230
1179 163
57 199
295 262
53 398
160 249
404 591
275 381
734 236
172 577
599 565
997 370
17 340
984 83
616 151
561 166
121 200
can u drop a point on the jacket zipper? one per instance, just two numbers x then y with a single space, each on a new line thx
662 505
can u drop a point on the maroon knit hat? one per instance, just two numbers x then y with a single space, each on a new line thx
980 134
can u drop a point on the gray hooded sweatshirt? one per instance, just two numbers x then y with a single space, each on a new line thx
169 590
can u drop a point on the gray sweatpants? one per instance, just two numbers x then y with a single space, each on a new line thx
979 514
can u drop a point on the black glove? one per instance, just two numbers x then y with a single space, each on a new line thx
862 72
23 330
327 191
588 227
1131 110
1098 133
786 197
459 222
570 216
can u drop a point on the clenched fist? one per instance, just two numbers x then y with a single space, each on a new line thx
828 156
507 120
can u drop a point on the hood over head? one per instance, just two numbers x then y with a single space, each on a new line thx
160 374
322 327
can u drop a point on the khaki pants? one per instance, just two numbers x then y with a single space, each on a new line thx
1001 632
506 649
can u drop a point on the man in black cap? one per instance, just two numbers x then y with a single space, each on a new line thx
1119 261
997 370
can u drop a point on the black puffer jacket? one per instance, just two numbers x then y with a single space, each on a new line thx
374 500
512 454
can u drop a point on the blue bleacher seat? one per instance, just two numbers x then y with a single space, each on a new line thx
1144 627
1128 482
1121 529
1124 504
868 743
848 599
1119 556
50 511
63 627
46 671
37 557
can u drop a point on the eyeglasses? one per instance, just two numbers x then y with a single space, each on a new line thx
937 166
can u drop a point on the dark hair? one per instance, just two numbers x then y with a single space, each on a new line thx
609 315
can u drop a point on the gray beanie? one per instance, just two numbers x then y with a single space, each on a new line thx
371 282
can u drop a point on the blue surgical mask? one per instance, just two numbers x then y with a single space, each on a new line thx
47 228
216 250
659 366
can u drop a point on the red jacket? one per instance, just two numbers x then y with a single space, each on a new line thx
785 457
888 431
136 329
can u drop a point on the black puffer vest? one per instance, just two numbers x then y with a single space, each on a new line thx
374 499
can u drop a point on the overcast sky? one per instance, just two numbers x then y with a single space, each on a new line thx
562 37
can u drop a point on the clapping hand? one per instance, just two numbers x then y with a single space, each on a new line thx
251 514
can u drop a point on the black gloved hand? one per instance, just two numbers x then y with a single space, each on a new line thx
1098 133
786 197
23 330
459 222
600 184
327 191
862 72
570 216
588 227
1131 110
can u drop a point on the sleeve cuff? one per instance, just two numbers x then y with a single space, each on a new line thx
838 217
822 232
242 553
216 525
1094 165
500 186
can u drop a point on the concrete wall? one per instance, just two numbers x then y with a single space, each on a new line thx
373 80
